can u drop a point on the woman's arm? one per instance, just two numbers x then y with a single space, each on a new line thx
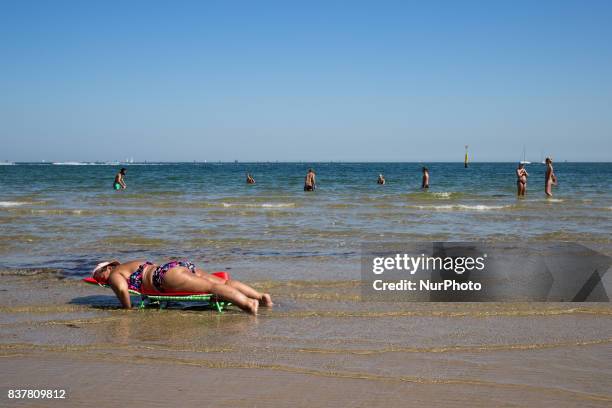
120 287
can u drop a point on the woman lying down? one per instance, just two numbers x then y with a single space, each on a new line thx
175 276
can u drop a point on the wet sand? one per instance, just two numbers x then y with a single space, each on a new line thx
160 385
320 346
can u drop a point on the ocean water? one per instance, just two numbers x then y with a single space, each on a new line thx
57 221
68 217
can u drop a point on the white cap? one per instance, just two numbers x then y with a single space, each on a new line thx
103 265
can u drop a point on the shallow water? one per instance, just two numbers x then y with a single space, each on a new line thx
68 217
57 221
527 354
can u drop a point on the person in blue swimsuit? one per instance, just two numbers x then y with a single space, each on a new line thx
175 276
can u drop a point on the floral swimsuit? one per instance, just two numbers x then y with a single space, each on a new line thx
135 279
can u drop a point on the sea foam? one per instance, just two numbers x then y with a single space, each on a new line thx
262 205
12 203
465 207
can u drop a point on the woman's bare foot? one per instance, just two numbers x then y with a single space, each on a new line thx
265 300
251 306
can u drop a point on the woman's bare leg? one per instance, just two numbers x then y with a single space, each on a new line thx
230 294
246 290
263 298
213 278
182 280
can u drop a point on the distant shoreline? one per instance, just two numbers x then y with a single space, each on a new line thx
97 163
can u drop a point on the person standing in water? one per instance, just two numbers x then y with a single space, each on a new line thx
310 182
550 179
250 179
425 182
521 180
381 179
119 182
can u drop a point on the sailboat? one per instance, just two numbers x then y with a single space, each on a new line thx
524 161
465 161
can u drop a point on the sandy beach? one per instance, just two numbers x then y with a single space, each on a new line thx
320 346
196 385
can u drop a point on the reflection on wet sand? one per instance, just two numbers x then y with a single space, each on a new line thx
318 331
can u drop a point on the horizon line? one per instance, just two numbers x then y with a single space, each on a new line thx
114 162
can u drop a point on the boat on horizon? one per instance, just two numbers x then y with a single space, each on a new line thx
524 161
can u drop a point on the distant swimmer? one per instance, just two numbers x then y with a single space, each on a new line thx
425 182
310 181
119 182
381 179
550 178
521 179
250 179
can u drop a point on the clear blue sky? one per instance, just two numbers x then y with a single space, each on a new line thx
289 80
